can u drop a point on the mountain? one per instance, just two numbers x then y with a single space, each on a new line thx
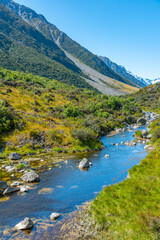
123 72
39 47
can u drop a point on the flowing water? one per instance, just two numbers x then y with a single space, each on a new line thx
68 186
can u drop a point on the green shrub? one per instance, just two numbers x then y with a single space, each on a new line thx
71 111
84 135
138 133
6 118
34 134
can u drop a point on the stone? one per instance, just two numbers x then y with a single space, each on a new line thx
25 163
25 224
15 156
84 163
3 185
54 216
141 121
24 188
144 133
10 169
149 136
10 190
16 184
30 176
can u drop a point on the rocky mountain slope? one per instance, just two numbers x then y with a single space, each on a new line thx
123 72
62 46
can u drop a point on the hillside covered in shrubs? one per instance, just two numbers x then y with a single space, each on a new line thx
39 114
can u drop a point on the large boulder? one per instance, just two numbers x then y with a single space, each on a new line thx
10 190
25 224
3 185
84 163
142 121
30 176
15 156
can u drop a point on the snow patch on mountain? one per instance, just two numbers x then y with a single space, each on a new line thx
146 81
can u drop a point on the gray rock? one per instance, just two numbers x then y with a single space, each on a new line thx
3 185
144 133
16 184
54 216
10 169
15 156
84 163
4 166
149 136
25 224
25 163
141 121
30 176
10 190
24 188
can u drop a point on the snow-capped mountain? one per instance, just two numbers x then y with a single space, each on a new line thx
125 73
146 81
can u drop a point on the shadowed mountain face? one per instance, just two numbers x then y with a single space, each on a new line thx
39 47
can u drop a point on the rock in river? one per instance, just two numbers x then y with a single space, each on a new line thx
15 156
30 176
24 188
84 163
142 121
10 190
3 185
25 224
54 216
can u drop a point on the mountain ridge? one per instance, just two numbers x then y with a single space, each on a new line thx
121 70
67 44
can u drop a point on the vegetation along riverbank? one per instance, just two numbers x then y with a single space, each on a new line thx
128 210
39 116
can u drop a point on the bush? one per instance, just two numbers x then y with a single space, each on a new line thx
6 118
71 111
84 135
156 134
138 134
34 134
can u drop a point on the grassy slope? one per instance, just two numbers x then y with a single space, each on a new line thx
131 210
70 118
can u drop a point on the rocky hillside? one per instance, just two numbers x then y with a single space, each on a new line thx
122 71
61 46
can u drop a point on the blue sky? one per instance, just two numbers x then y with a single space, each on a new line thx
126 31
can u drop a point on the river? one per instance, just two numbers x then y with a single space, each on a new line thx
69 186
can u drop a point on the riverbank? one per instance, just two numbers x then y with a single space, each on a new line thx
128 210
69 186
